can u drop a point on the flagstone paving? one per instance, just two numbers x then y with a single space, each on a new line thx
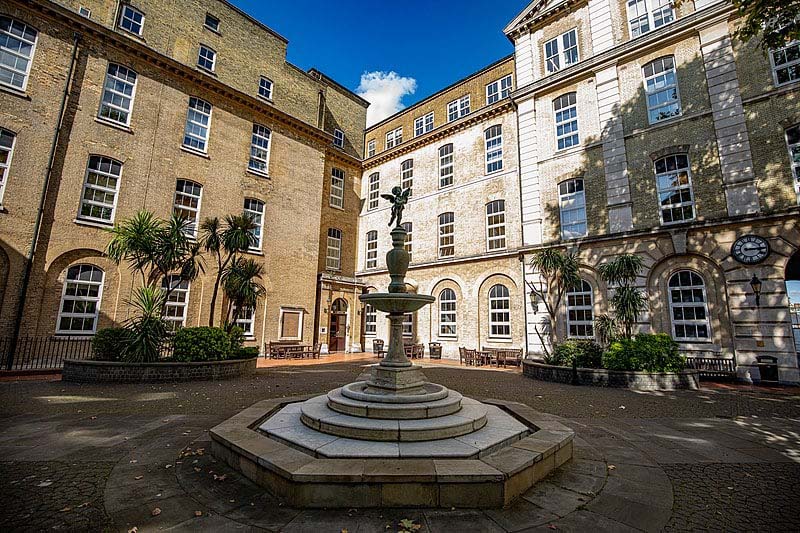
91 457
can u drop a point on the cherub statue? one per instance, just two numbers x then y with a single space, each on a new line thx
399 199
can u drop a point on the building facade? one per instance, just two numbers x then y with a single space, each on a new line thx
181 107
648 129
457 152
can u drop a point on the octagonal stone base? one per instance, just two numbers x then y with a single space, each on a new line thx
439 473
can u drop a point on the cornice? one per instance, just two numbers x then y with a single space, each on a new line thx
338 155
440 133
675 31
531 23
487 256
92 29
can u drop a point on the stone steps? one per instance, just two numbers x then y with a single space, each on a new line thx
341 403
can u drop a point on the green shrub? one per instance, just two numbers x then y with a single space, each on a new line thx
585 353
245 352
557 357
109 343
202 344
648 353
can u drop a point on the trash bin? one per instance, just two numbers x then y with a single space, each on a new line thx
435 350
768 368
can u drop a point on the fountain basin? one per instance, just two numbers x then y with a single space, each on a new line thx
397 302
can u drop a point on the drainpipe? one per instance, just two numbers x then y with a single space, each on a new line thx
23 291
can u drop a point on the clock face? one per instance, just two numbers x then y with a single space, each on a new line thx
750 249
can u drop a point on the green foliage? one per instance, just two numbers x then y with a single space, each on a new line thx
606 330
202 344
776 21
241 283
585 353
108 344
557 357
247 352
147 330
558 272
648 353
628 301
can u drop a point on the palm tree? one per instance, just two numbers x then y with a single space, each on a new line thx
558 272
147 330
226 241
628 302
242 286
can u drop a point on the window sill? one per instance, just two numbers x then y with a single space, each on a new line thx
195 152
257 173
505 340
255 252
93 223
336 207
677 223
212 30
14 91
206 70
130 33
112 124
668 120
265 99
447 338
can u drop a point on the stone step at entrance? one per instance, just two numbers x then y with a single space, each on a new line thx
448 405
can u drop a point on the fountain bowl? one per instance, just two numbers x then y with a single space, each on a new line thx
397 302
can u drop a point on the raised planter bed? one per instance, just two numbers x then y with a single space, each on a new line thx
599 377
87 371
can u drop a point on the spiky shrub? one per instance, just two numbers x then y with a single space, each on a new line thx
558 272
108 344
628 302
147 331
606 330
241 283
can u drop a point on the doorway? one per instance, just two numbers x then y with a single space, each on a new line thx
337 337
793 292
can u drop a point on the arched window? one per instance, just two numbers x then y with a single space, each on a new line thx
17 43
198 124
792 143
80 300
259 150
688 307
255 210
446 235
370 321
374 190
100 187
494 148
372 249
187 204
565 108
499 312
333 257
407 175
580 315
446 165
447 313
661 89
496 225
118 93
177 301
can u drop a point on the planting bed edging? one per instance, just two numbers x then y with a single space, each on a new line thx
87 371
600 377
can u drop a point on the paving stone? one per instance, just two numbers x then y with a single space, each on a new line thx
554 498
438 448
331 471
589 468
461 520
632 513
583 521
520 515
467 470
582 484
395 470
342 447
304 436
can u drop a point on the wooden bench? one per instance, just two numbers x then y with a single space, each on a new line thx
713 367
509 357
281 350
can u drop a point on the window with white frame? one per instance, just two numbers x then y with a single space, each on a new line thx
446 165
206 58
499 312
374 190
7 139
131 19
408 325
80 300
792 143
338 138
333 256
177 300
572 208
566 111
100 188
337 188
423 124
118 93
259 150
688 307
198 124
17 44
245 318
408 244
187 205
370 321
580 311
498 89
648 15
85 12
494 148
446 235
786 63
407 175
458 108
254 210
562 51
291 321
265 88
496 225
661 89
211 22
371 148
394 137
674 183
447 313
372 249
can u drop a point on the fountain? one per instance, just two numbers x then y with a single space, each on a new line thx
393 439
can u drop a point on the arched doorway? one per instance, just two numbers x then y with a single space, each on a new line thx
793 292
337 336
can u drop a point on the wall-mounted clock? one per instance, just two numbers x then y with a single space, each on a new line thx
750 249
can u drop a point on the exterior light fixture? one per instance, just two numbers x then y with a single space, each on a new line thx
755 283
533 300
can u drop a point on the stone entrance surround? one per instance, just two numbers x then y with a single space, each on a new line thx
488 472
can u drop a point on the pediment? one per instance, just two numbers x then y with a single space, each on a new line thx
534 9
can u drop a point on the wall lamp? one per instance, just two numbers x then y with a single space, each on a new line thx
755 283
534 301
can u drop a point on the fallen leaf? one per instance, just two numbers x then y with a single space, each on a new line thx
134 529
622 407
552 526
65 509
197 469
167 466
137 478
612 467
198 513
155 512
84 504
92 418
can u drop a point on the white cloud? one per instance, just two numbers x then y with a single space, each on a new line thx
384 91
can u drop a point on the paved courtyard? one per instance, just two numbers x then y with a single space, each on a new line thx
91 457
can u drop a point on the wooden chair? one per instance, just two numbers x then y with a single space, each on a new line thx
417 351
312 352
461 355
378 347
471 357
435 350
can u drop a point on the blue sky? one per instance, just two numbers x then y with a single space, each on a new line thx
428 44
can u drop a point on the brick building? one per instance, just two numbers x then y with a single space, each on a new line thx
186 107
647 129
